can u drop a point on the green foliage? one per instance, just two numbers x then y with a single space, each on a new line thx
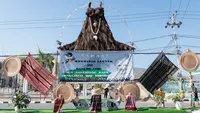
46 60
172 79
158 96
21 100
176 97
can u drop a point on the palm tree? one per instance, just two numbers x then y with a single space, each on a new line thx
46 60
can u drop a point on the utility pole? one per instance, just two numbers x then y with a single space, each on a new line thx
175 25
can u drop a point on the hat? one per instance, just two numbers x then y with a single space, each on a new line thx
189 61
76 86
130 88
96 91
11 66
107 85
67 91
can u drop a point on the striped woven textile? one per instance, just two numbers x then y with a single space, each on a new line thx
39 77
95 103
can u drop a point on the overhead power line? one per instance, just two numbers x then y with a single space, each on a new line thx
170 4
60 20
179 5
193 46
39 27
76 21
157 48
189 36
154 38
75 18
186 9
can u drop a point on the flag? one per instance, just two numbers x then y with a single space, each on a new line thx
39 77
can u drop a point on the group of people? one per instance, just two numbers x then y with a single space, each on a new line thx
193 97
96 102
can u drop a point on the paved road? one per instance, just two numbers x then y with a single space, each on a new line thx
71 106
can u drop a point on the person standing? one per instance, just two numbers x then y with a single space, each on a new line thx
106 90
95 101
195 95
58 103
130 102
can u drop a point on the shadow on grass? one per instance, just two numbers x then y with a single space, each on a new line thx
142 109
35 111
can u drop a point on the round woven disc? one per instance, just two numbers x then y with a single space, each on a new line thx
189 61
11 66
0 65
67 91
131 88
54 91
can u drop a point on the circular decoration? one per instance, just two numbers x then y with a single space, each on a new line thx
130 88
67 91
54 91
11 66
189 61
76 86
1 71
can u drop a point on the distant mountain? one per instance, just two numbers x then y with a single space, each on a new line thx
138 72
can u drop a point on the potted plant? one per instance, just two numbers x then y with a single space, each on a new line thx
177 99
20 101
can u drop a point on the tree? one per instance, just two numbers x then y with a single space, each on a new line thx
172 78
46 60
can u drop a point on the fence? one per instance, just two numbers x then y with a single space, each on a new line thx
9 85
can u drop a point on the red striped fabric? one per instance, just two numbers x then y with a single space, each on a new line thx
39 77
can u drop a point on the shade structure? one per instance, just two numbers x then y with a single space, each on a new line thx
158 73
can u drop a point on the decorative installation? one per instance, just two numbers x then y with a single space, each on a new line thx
158 73
39 77
189 61
11 66
95 66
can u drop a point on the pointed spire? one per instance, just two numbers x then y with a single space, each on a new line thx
101 3
89 4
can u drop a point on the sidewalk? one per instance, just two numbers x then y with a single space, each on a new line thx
38 105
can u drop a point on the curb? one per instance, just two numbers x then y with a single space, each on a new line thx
32 102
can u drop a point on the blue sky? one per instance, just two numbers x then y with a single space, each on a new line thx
14 40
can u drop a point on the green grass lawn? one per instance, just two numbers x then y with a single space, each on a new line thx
140 110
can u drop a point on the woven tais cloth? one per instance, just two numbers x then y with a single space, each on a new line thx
96 103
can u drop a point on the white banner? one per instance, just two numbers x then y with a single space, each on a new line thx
102 66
